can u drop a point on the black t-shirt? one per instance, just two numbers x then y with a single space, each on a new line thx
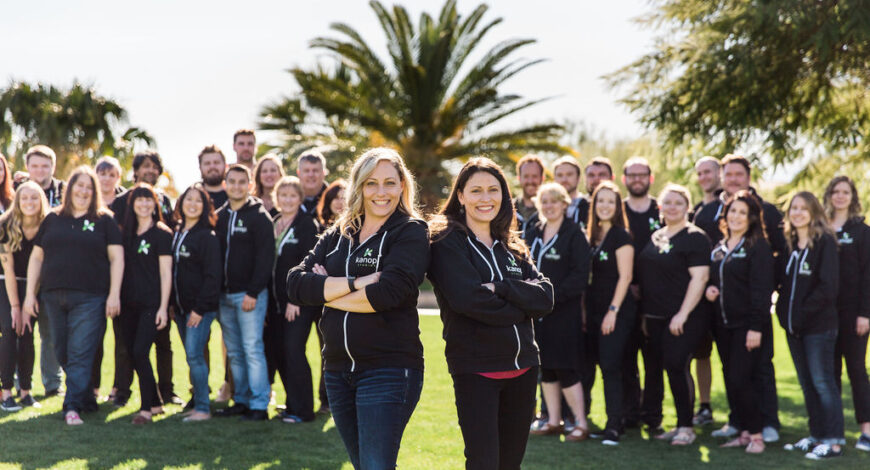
604 273
664 269
218 198
642 225
21 257
119 208
141 286
75 256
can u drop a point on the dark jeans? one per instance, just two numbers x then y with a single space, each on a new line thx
494 416
78 321
371 409
813 357
16 352
297 373
195 342
138 332
609 355
742 371
673 354
853 349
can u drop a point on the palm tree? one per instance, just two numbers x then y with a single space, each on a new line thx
79 124
426 99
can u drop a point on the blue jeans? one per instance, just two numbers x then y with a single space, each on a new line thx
78 322
51 375
243 336
813 357
195 340
371 409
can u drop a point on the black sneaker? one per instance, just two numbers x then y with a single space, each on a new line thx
52 393
29 401
703 416
189 405
9 404
824 451
863 443
175 400
611 438
235 410
255 415
804 445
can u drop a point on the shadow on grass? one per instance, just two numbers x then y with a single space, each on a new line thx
109 440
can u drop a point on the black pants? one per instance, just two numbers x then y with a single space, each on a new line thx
742 371
296 375
763 382
321 389
163 351
673 354
16 352
273 341
124 364
635 344
609 351
494 416
853 349
138 332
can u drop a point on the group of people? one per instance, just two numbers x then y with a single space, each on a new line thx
540 289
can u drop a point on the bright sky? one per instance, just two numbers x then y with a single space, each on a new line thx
192 72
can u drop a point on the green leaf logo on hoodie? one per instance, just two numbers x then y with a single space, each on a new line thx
88 226
846 239
143 247
805 269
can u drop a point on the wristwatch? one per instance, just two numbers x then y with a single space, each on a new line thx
350 280
613 308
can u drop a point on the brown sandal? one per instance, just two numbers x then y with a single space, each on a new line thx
547 430
141 419
742 440
577 435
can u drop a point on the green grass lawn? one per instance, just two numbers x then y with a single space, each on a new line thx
33 439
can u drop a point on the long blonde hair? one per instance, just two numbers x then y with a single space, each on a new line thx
818 221
350 221
12 220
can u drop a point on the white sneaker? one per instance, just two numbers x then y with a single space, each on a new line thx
770 434
725 431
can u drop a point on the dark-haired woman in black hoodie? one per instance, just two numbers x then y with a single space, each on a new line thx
196 287
741 282
807 310
366 270
489 294
853 302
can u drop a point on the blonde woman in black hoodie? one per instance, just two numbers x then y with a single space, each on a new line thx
807 310
853 302
489 293
366 269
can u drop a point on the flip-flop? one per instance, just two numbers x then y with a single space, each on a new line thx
72 418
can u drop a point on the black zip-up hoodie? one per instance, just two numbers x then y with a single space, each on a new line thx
390 337
196 270
807 301
248 246
854 298
745 278
487 331
290 249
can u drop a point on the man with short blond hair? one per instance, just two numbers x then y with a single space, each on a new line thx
530 172
566 171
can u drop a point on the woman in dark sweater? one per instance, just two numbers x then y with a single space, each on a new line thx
741 282
489 293
366 270
196 287
18 227
295 235
560 252
77 263
853 302
807 310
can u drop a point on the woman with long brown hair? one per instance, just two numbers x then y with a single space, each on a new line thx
331 203
266 175
489 293
6 193
807 310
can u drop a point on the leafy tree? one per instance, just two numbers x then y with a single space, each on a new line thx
427 99
77 123
787 79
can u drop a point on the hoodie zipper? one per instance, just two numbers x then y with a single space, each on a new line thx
280 246
350 251
231 223
179 239
794 256
501 278
722 277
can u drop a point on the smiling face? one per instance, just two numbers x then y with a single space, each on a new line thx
311 175
143 207
29 202
337 204
605 205
270 173
841 196
40 169
708 176
212 167
531 177
192 206
637 180
552 206
245 146
238 185
148 172
481 197
288 199
382 191
82 193
799 213
734 178
568 176
108 180
674 208
595 174
738 217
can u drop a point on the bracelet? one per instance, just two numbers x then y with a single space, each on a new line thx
350 280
